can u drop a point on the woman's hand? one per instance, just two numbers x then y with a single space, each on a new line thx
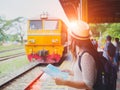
59 81
68 71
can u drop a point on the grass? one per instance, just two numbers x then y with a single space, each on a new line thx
12 52
12 65
8 47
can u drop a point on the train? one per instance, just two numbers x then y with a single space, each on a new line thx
46 40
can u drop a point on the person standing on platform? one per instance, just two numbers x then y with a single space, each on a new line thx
117 45
109 54
109 49
84 78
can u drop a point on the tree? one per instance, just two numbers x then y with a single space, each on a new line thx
105 29
6 25
113 30
98 29
20 28
3 26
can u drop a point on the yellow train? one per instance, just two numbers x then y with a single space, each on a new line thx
46 40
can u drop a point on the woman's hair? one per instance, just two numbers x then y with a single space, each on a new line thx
86 45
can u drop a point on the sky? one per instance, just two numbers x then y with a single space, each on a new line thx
11 9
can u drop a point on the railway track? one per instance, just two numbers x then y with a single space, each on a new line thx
45 82
10 50
27 78
18 80
11 56
24 78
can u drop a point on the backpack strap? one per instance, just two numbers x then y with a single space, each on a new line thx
79 61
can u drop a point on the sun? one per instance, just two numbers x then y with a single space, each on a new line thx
73 25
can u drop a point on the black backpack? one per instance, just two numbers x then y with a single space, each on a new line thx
106 74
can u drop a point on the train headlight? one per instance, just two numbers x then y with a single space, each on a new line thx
54 40
32 41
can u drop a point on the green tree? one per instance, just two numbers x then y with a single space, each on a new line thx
98 29
6 25
20 28
113 30
13 37
3 26
102 30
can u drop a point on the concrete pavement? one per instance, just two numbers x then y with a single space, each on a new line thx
118 81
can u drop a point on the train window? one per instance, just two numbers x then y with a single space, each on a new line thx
35 24
51 25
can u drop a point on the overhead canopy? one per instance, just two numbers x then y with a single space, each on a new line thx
97 11
101 11
70 8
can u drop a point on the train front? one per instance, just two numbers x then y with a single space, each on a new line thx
46 40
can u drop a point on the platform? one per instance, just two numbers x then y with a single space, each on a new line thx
47 83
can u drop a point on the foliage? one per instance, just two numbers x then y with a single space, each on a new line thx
113 30
106 29
6 25
12 66
20 31
100 31
13 38
98 28
8 47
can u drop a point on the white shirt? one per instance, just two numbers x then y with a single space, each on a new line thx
88 73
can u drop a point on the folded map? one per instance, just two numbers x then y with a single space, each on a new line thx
55 72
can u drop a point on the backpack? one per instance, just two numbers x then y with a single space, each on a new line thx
106 74
111 50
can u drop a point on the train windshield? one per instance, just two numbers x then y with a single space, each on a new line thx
51 25
35 24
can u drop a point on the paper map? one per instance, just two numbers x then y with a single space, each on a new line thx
55 72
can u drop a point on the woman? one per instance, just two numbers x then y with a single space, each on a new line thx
84 78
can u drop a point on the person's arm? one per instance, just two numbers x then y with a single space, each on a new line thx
74 84
70 72
88 67
111 58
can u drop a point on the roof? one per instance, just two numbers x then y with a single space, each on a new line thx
97 11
